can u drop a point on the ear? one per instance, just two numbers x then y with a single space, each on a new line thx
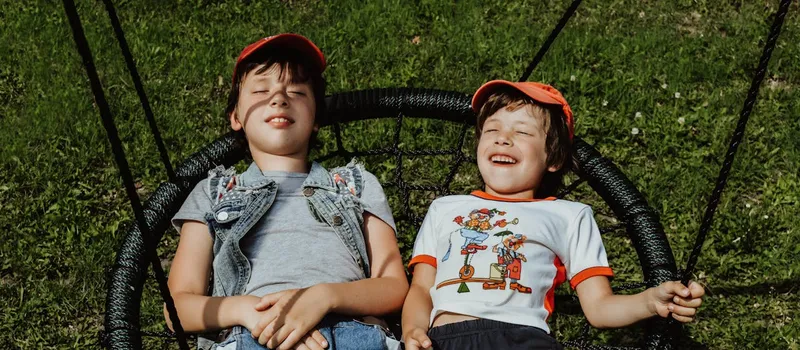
316 127
553 168
236 125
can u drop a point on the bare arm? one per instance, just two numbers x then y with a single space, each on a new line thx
188 282
603 309
418 306
385 291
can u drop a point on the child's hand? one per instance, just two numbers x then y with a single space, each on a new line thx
416 339
289 316
313 340
673 297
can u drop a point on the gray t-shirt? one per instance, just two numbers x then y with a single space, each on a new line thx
288 248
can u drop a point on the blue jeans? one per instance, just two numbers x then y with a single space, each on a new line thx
341 334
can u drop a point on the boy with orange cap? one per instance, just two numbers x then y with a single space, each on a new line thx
524 148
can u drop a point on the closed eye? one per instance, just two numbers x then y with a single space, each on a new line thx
524 133
489 130
297 93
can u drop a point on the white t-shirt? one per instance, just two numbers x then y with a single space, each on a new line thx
502 259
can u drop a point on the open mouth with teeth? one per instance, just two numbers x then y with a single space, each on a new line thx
280 121
501 159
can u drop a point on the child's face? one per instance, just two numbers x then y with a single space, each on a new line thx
276 114
511 153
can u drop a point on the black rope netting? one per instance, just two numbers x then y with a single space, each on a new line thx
152 219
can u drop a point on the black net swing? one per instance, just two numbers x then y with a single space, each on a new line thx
129 274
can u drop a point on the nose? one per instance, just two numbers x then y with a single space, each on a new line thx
279 99
502 139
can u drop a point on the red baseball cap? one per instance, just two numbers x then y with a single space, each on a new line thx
537 91
294 41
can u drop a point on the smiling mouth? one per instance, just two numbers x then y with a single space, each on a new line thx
502 159
280 119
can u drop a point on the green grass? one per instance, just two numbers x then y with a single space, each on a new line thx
62 202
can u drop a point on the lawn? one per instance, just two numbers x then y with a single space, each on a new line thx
656 86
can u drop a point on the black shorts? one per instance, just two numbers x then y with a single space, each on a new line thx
488 334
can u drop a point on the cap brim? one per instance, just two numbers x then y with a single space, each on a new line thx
294 41
487 89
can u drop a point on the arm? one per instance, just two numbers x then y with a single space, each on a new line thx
384 292
417 308
603 309
188 282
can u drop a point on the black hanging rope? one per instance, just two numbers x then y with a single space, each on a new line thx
137 82
122 162
738 134
550 39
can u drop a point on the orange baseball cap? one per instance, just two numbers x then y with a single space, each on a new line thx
537 91
294 41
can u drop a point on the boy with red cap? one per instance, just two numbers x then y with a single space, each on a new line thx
524 148
297 253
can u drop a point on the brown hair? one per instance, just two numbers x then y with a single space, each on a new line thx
290 61
558 145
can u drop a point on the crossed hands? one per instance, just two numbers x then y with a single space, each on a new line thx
286 320
673 297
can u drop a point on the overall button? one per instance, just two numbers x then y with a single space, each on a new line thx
308 191
222 216
337 220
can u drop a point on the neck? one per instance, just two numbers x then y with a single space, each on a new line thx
514 195
294 163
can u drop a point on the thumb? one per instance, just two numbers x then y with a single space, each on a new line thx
268 300
675 288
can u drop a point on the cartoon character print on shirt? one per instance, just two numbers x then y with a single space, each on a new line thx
509 263
475 229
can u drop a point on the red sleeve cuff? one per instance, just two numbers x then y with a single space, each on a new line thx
590 272
425 259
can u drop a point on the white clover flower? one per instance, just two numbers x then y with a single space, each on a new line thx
681 120
638 115
747 205
572 78
664 86
641 14
677 94
635 131
766 216
605 103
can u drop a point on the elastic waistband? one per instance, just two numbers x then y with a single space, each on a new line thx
475 326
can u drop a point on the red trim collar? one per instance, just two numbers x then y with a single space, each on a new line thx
484 195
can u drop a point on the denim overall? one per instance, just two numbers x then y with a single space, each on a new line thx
239 202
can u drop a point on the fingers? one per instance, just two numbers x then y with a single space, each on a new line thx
697 289
285 339
269 331
684 319
682 311
676 288
316 335
308 342
687 302
266 326
268 300
417 339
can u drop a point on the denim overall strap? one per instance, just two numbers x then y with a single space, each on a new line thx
239 202
333 199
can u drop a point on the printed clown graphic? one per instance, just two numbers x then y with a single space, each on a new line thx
475 229
509 263
476 226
